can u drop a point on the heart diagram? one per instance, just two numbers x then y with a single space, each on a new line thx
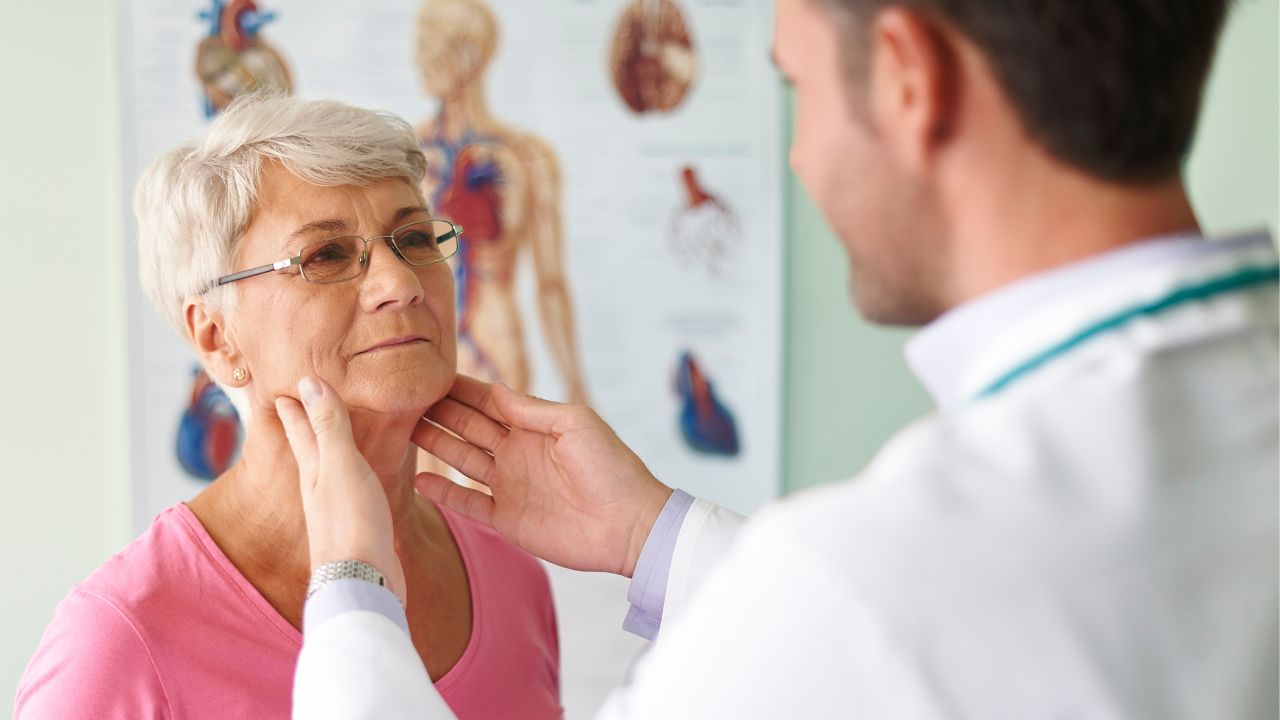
234 59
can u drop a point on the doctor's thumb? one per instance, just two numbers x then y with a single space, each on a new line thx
325 411
297 430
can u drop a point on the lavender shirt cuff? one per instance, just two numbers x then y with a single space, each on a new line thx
648 589
349 594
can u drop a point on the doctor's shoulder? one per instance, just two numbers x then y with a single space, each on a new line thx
995 584
1019 492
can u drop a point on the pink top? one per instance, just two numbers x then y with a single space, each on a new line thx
169 628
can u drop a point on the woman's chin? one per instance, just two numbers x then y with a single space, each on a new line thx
407 392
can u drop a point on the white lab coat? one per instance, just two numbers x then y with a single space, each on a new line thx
1093 536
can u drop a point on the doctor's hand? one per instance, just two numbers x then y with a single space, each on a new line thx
564 486
346 509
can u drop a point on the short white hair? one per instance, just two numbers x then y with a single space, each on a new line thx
194 203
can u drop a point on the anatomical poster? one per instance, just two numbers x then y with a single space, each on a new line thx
616 166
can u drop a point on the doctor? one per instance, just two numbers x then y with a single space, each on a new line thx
1086 527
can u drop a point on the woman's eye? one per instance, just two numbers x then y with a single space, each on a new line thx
331 253
416 240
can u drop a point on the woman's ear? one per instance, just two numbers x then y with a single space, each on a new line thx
214 342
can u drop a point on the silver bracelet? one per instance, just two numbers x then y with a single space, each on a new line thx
341 570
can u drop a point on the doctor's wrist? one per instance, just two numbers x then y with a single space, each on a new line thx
383 563
651 505
344 570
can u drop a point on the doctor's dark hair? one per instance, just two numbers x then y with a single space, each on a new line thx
1111 87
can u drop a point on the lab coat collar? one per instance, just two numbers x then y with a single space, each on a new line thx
957 355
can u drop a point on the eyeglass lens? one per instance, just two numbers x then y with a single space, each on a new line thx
343 258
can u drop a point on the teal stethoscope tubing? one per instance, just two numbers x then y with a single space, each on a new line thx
1240 280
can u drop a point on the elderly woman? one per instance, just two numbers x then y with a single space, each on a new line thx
294 241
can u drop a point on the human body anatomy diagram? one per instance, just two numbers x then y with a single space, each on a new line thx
503 187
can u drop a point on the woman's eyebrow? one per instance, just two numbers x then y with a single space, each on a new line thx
405 212
334 225
328 225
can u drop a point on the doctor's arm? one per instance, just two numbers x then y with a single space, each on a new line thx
357 660
768 635
563 486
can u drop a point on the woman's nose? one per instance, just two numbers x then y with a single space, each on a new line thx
389 282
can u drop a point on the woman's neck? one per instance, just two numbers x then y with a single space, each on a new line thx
254 511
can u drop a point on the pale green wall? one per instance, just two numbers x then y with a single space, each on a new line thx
64 489
1234 171
848 388
64 492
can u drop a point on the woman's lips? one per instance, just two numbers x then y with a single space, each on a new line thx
394 343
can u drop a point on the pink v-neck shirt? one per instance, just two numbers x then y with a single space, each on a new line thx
169 628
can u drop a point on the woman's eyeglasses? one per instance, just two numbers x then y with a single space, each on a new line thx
424 242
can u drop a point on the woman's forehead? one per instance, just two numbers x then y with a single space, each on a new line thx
288 206
284 194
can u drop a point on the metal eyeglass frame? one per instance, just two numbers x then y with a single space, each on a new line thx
454 232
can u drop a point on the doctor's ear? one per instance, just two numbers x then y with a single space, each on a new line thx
912 84
210 335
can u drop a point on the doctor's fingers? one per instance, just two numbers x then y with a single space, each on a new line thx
476 394
302 439
329 420
472 503
461 455
469 423
536 414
